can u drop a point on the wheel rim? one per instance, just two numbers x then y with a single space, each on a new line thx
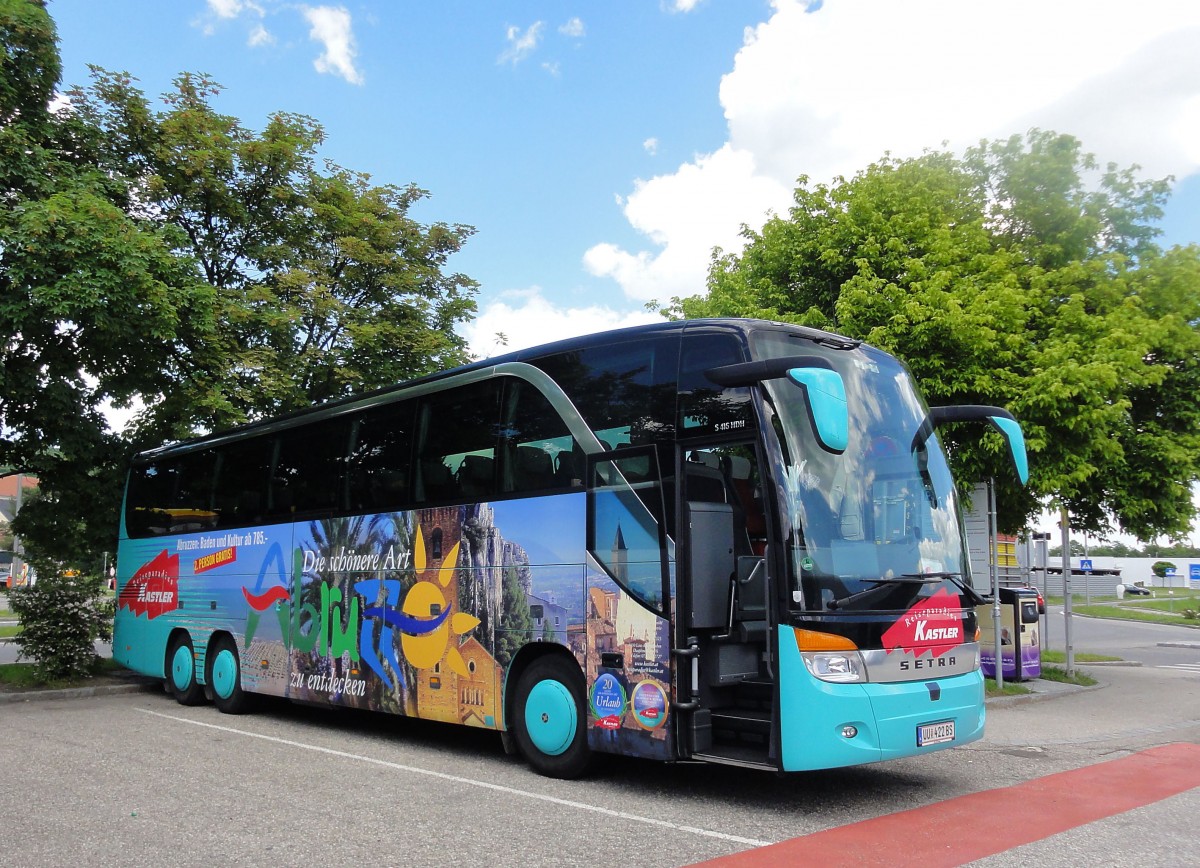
182 668
551 717
224 673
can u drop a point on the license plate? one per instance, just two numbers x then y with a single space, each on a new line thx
935 733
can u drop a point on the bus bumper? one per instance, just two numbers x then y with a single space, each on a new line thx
816 717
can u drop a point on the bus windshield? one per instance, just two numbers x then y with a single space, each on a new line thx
884 511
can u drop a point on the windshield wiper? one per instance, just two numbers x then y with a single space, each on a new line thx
973 596
883 584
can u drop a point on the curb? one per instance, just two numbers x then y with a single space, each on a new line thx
1040 696
139 685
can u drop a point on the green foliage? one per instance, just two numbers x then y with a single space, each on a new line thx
1159 568
1122 550
1055 673
1001 277
61 619
164 253
92 300
322 283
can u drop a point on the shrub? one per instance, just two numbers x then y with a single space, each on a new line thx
61 619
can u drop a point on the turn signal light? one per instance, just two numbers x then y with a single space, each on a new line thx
811 640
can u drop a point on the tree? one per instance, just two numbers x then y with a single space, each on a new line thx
322 282
1160 568
92 301
173 256
1002 278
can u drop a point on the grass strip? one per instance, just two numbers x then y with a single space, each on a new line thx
1124 613
23 676
1080 657
1010 689
1053 673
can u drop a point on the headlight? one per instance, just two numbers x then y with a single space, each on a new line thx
838 666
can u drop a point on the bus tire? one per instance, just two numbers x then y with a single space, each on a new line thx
181 671
550 723
225 677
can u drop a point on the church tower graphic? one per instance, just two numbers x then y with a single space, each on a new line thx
620 557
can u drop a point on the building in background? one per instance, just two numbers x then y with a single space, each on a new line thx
14 488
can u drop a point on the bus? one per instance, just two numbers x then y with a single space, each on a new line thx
728 540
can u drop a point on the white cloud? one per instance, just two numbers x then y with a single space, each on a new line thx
231 8
521 45
650 146
827 92
332 27
684 5
227 10
702 205
573 28
527 319
259 35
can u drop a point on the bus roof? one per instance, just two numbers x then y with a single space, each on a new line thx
329 408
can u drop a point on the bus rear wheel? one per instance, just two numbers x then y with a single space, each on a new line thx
181 671
225 677
550 723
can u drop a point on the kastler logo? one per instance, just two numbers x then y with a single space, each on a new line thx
154 589
933 625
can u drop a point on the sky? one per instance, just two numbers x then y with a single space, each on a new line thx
602 150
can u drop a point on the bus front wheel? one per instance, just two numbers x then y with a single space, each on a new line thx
550 723
181 671
225 677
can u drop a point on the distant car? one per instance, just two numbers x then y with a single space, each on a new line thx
1137 590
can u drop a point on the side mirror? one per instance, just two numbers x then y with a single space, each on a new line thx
1010 429
825 397
1000 419
823 387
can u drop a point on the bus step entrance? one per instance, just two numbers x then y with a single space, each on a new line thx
741 724
755 694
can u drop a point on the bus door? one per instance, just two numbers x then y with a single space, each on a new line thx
628 632
722 636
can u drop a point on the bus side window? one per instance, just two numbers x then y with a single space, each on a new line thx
380 456
705 407
626 389
243 471
309 470
171 496
457 431
536 439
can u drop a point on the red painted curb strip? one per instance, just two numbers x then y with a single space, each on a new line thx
957 831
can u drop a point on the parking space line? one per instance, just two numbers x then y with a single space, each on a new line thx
512 791
951 832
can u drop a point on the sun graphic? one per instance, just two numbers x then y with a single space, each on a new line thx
427 600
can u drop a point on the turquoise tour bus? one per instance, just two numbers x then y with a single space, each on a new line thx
731 541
